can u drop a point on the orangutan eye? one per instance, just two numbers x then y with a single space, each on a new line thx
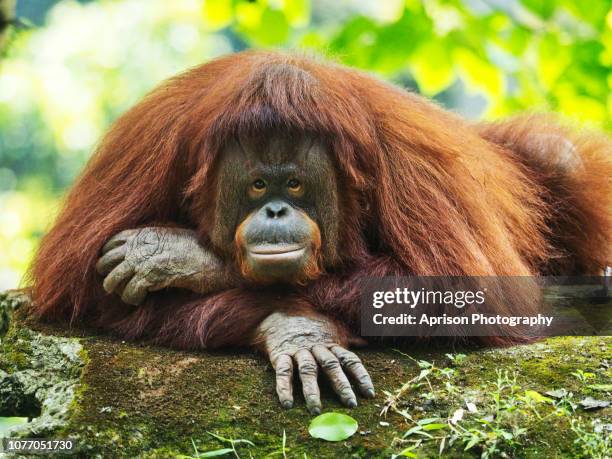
295 188
259 184
257 189
294 184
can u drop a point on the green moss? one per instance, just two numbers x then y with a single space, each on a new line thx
38 377
10 301
15 348
159 399
145 401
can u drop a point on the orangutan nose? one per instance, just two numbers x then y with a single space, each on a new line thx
276 209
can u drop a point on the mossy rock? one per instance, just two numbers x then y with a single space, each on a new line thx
118 399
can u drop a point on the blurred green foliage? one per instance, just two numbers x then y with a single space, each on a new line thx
63 82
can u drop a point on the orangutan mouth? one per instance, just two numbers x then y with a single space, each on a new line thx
277 252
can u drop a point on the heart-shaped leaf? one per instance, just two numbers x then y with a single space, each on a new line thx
333 427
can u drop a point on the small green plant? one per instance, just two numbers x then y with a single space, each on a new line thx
283 450
221 451
594 443
583 376
428 371
496 428
456 358
499 429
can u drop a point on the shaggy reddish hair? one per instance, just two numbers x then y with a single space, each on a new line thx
423 192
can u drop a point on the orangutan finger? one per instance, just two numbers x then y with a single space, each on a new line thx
135 291
307 367
118 240
111 259
353 366
284 380
331 365
118 276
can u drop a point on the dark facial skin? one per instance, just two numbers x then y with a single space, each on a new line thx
282 192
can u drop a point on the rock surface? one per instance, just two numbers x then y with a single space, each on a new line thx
119 399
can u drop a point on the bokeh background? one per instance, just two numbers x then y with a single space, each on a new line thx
72 67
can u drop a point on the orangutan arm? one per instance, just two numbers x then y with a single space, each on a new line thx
311 341
138 261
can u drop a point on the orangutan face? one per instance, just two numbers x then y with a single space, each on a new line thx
279 197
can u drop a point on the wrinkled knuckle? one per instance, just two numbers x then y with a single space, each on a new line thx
283 372
352 361
308 368
132 263
284 369
140 289
345 389
151 272
330 364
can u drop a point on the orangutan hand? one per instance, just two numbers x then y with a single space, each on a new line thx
138 261
309 343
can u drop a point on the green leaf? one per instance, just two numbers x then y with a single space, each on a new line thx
417 430
216 452
431 66
273 29
408 452
425 421
436 426
356 42
297 12
396 42
537 397
544 8
473 442
217 13
8 423
478 72
519 39
602 387
231 440
553 59
333 427
412 430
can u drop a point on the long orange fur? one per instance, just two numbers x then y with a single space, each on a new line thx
422 190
